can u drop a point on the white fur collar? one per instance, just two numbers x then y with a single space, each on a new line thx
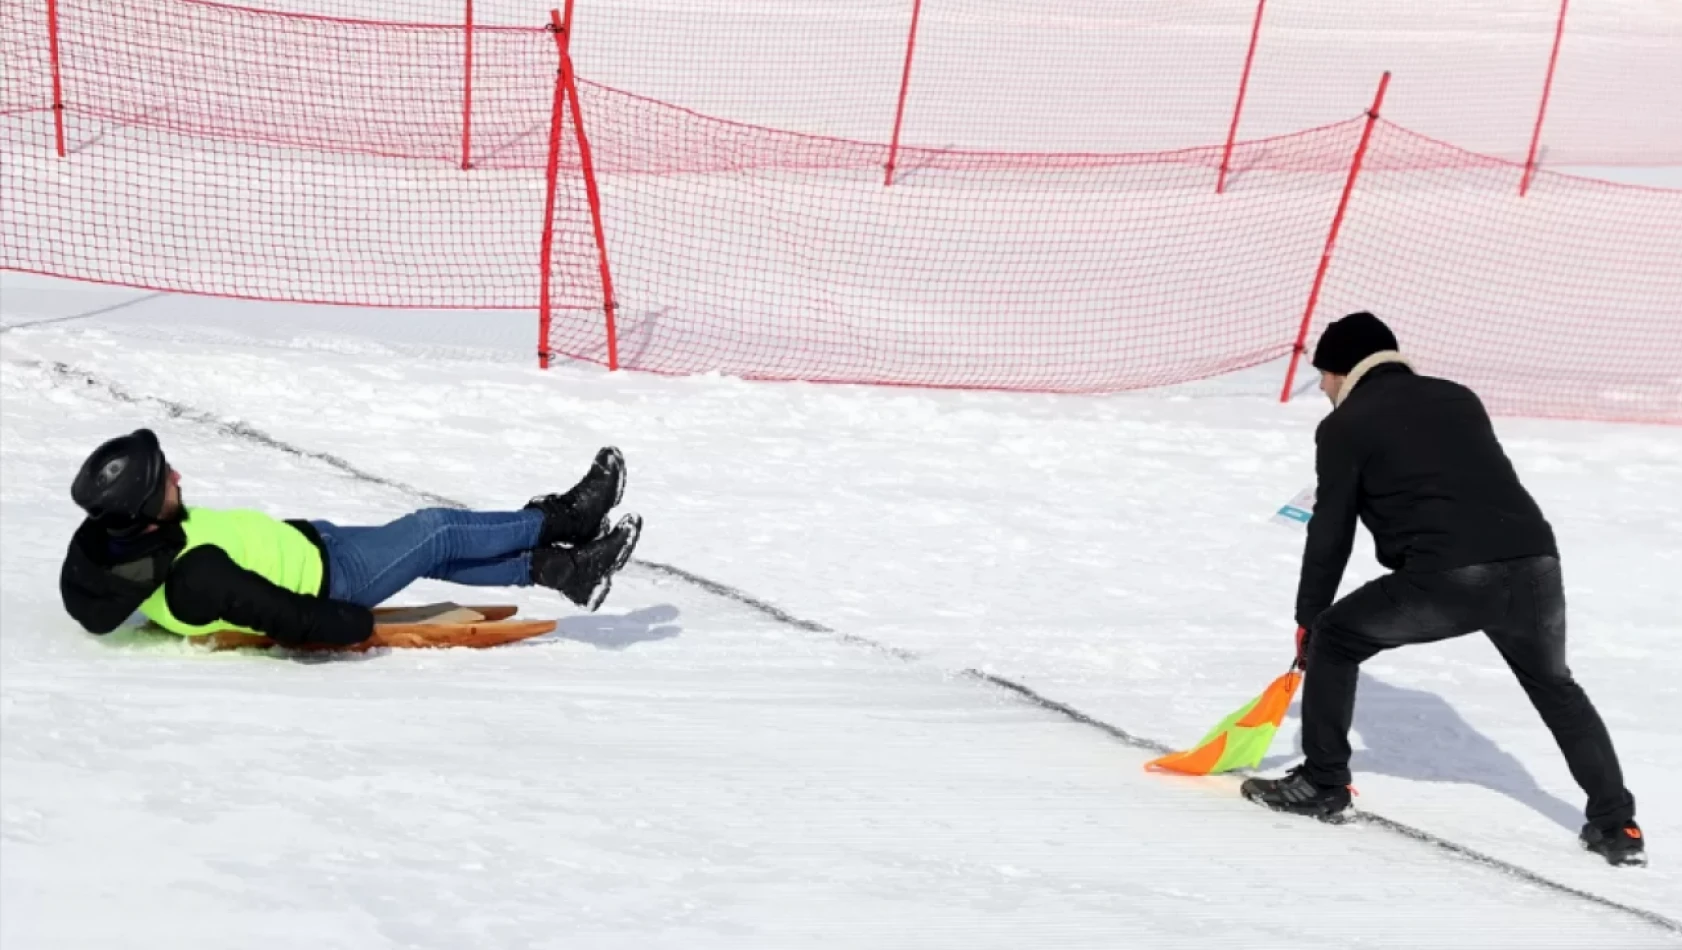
1366 366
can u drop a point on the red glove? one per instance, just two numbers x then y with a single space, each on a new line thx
1302 648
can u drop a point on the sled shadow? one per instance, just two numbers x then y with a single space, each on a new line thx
620 631
1414 734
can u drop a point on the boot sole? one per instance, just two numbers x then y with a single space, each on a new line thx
599 595
632 524
619 466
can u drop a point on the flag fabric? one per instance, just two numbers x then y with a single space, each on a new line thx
1240 740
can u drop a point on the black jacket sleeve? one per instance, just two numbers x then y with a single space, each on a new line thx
206 586
1331 531
101 589
98 599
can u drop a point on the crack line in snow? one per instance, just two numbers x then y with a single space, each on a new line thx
1361 817
83 316
240 430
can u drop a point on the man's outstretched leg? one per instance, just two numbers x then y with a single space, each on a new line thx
1392 611
1532 641
583 574
1319 787
368 565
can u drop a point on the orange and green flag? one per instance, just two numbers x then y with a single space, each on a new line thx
1241 739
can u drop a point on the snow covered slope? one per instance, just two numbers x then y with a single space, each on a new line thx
680 770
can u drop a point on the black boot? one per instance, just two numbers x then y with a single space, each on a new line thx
1298 795
584 574
1622 845
580 515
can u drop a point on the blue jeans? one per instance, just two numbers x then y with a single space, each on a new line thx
368 565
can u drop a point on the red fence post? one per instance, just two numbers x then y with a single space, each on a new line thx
544 308
467 95
569 81
904 86
1238 107
1542 110
58 88
1331 238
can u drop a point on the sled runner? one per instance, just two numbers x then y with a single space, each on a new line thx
423 626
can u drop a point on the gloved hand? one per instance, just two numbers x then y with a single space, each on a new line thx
1302 648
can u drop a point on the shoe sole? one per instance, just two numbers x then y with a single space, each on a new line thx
1637 859
1340 815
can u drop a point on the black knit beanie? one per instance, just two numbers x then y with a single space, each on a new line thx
1348 341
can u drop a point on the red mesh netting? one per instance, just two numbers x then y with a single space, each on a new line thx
1567 302
239 153
1131 75
233 152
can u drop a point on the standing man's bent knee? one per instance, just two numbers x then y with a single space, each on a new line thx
1339 642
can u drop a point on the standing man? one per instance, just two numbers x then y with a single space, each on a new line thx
1417 461
193 570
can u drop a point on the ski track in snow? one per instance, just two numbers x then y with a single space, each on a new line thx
678 770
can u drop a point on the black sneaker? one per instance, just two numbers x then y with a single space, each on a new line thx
585 574
580 515
1623 845
1296 794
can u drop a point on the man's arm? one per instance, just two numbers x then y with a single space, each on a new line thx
1331 531
99 600
101 594
206 586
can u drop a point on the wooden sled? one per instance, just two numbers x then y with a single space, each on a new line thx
419 627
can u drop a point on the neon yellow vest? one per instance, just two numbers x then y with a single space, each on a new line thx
256 541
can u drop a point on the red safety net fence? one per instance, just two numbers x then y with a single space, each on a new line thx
223 151
1128 75
1565 303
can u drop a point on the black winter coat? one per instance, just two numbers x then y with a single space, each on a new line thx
1416 459
104 581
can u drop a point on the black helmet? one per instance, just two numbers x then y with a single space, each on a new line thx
121 485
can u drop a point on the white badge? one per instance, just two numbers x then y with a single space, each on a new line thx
1298 510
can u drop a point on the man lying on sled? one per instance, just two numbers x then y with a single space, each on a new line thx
194 570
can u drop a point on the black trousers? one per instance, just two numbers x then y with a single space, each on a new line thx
1520 605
